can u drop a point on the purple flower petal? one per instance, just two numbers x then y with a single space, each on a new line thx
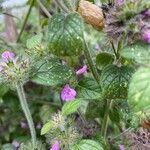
7 56
55 146
121 147
68 93
15 144
82 70
146 36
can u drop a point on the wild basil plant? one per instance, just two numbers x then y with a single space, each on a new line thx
81 75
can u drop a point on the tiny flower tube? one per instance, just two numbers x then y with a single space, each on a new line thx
39 125
16 144
55 146
23 125
146 36
8 56
68 93
82 70
119 2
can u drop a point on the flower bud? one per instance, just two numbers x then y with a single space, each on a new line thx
91 13
82 70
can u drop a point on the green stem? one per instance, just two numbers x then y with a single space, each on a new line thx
91 63
45 102
62 6
25 21
114 49
125 131
44 9
105 120
27 112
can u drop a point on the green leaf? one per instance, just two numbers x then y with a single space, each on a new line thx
95 109
103 59
45 129
114 115
52 72
140 52
34 41
7 147
3 89
46 111
139 90
88 89
87 145
71 107
65 35
115 80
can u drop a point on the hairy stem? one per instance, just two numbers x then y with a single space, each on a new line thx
44 9
27 112
25 20
106 117
91 63
61 5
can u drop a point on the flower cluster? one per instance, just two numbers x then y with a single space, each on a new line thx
13 69
63 134
129 17
139 139
58 121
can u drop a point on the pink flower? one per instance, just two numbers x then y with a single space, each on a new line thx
82 70
121 147
146 36
7 56
55 146
67 93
